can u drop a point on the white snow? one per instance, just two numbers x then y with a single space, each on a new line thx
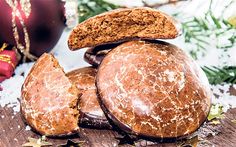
27 128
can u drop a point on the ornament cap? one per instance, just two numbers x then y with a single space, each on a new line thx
71 13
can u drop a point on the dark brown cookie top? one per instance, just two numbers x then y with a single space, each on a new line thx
49 101
84 79
123 24
153 89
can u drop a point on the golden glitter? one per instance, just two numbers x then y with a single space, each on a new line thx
26 6
3 47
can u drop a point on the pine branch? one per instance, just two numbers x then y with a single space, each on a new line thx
89 8
217 75
197 30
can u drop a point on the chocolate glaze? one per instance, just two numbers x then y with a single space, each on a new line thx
94 56
49 102
91 114
153 89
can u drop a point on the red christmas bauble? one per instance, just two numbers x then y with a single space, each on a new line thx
42 21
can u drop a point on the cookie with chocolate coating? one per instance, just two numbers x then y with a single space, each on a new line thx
91 114
153 89
95 55
123 24
49 101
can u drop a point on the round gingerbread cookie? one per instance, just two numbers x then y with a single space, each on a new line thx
153 89
91 114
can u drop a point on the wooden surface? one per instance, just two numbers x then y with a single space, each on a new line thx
14 134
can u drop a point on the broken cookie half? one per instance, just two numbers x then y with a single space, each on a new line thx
123 24
49 101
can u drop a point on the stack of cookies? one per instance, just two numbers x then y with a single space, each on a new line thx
136 84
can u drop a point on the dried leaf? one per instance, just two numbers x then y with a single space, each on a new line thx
215 122
126 140
70 143
33 142
192 142
233 121
215 112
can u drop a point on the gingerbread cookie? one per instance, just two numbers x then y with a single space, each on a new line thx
153 89
91 114
123 24
49 102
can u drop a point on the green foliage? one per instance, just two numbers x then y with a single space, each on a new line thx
89 8
217 75
198 30
201 30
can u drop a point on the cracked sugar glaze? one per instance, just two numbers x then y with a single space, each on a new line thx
153 89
